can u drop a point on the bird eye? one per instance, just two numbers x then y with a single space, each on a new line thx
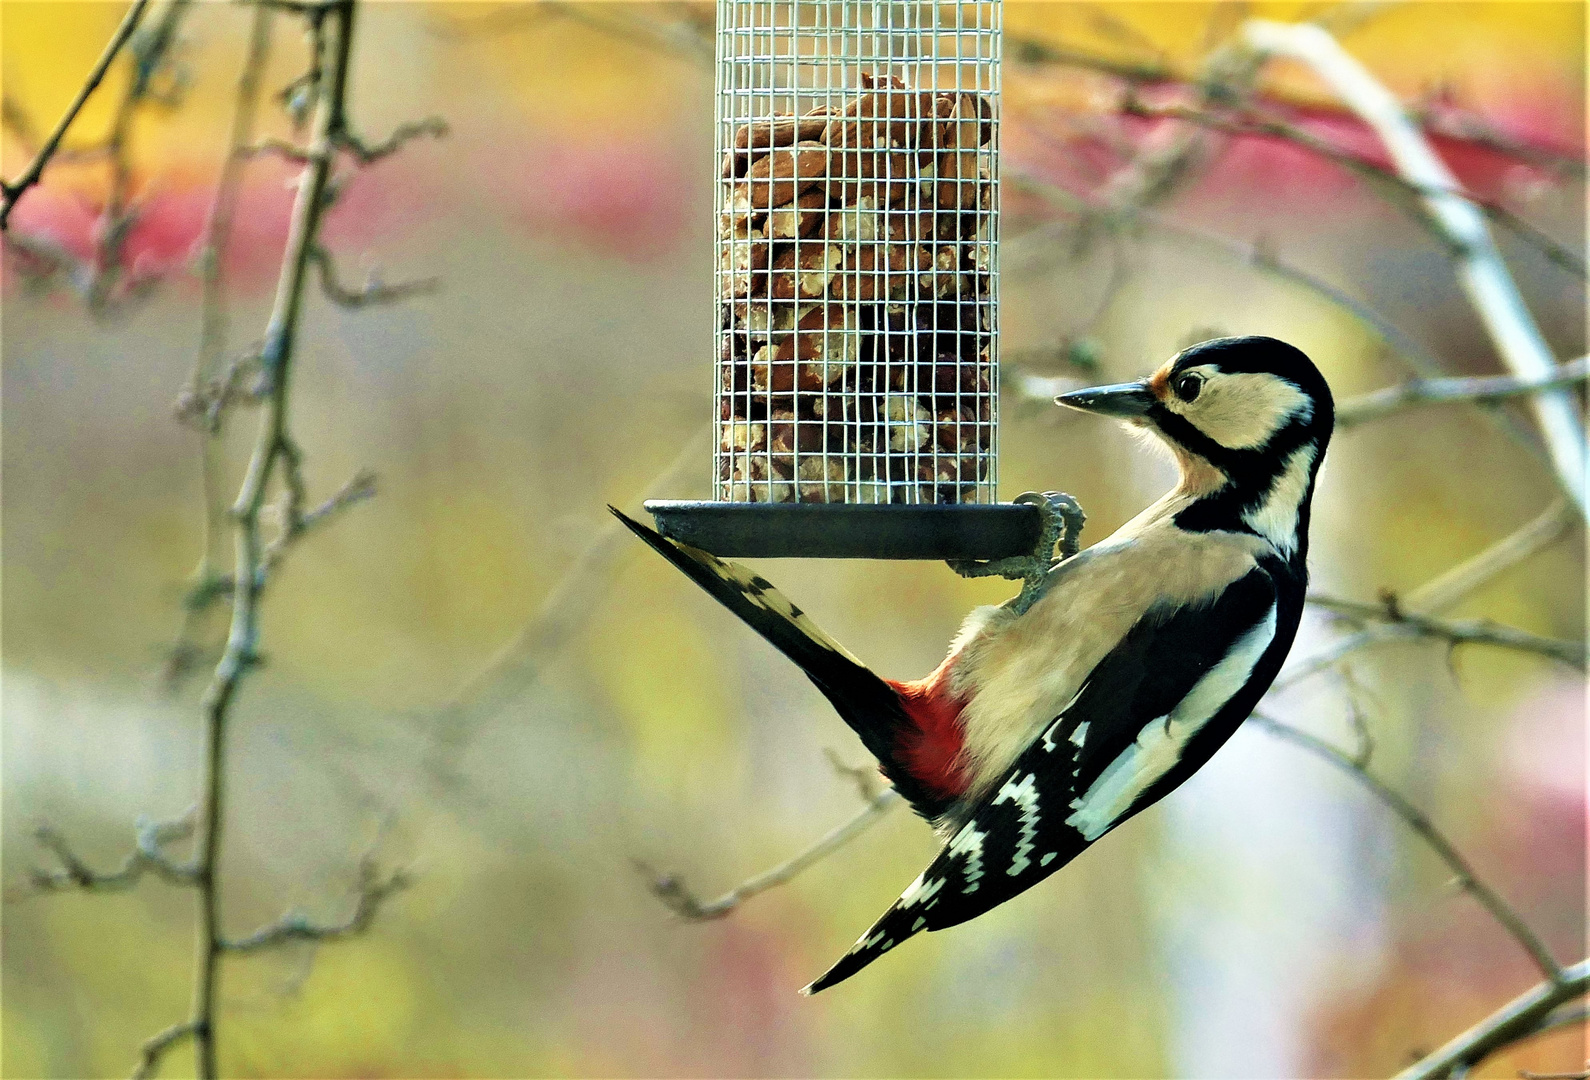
1188 385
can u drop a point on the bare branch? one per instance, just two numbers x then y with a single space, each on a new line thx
1446 589
572 601
671 889
1405 193
276 147
1436 119
155 1047
1456 632
1444 120
1421 824
1582 1074
1477 390
360 487
868 781
372 891
1030 50
1262 257
310 8
373 292
1481 271
1439 593
147 856
433 126
11 192
331 33
1574 1014
203 405
1519 1019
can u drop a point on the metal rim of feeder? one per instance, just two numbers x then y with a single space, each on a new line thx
856 289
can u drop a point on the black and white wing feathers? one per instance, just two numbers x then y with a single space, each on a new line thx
1147 717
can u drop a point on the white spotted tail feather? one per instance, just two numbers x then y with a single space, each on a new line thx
866 702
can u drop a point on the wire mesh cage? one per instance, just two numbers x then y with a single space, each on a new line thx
857 285
857 282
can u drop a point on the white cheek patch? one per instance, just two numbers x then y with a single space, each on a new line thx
1240 411
1276 517
1160 744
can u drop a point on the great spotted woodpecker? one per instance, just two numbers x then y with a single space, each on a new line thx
1117 672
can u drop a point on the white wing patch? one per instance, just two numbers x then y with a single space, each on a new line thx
1024 795
1048 736
922 891
969 842
1276 517
1159 745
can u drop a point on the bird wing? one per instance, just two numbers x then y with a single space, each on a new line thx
1127 739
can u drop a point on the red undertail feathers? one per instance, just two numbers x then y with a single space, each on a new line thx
931 752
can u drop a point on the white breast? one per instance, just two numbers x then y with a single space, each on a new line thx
1018 673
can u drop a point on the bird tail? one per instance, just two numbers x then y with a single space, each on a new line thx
901 921
866 702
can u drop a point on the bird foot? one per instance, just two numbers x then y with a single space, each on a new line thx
1062 519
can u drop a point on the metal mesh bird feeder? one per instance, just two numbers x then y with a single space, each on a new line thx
857 283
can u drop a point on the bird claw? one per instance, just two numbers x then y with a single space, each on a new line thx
1062 519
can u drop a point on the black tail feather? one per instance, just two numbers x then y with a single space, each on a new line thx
864 701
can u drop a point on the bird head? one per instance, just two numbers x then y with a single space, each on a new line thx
1247 418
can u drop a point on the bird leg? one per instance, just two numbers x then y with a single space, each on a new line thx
1062 519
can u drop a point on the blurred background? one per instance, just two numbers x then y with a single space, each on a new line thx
473 673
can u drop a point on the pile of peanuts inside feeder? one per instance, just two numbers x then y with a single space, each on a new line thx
856 305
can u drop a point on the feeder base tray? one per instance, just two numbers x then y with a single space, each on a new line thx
845 531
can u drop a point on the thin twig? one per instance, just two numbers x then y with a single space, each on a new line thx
1439 593
1261 256
1463 127
11 192
278 147
1476 390
373 292
147 856
372 891
207 397
332 39
1481 271
1446 122
1513 1022
433 126
155 1047
1576 1014
570 604
1446 589
104 278
671 889
1453 631
1421 824
1407 194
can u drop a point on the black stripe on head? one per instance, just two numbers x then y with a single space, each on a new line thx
1265 355
1252 470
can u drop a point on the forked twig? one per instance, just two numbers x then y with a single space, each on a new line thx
1476 390
1524 1016
1481 271
11 192
1421 824
879 800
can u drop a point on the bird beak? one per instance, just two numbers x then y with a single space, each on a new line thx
1125 400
